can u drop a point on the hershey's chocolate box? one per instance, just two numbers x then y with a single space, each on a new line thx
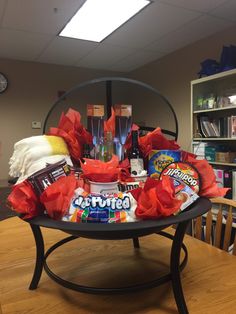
41 179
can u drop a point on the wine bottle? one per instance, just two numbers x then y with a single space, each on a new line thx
105 147
135 156
108 149
86 153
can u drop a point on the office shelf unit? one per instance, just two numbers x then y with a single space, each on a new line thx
213 122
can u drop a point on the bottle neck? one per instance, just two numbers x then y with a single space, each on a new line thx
108 136
86 153
135 139
135 157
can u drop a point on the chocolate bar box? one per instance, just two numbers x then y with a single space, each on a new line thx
41 179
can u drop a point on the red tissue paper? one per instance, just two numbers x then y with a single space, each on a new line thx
99 171
156 140
109 125
157 199
57 197
73 132
153 140
186 155
23 200
124 173
209 187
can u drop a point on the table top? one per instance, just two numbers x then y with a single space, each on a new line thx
123 230
209 279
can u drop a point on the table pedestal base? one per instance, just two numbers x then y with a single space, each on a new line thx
174 275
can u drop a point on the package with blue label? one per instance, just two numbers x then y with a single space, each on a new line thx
159 159
103 208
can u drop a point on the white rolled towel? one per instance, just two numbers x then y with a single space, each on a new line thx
33 149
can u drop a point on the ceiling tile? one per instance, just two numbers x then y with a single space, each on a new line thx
22 45
155 21
39 16
135 60
198 5
104 56
196 30
66 51
28 30
226 10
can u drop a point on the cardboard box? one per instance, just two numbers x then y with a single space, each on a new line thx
225 156
219 173
210 153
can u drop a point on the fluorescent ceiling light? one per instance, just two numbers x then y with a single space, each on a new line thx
96 19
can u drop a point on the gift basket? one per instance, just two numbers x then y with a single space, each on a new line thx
109 171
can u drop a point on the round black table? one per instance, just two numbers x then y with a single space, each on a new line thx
118 231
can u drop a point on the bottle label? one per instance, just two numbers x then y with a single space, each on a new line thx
95 110
123 110
136 166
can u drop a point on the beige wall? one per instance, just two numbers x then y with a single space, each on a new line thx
173 73
32 91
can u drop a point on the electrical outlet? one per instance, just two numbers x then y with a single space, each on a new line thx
36 124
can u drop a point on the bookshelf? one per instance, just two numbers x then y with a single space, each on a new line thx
213 124
230 164
213 139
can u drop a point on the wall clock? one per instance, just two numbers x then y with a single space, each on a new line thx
3 82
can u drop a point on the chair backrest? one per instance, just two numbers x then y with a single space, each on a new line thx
217 227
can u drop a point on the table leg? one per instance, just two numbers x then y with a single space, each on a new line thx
39 256
136 243
175 269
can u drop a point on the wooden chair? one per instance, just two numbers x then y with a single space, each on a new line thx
216 227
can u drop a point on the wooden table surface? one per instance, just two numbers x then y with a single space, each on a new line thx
209 279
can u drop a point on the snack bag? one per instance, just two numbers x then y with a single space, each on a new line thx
159 159
184 193
102 208
186 182
184 172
